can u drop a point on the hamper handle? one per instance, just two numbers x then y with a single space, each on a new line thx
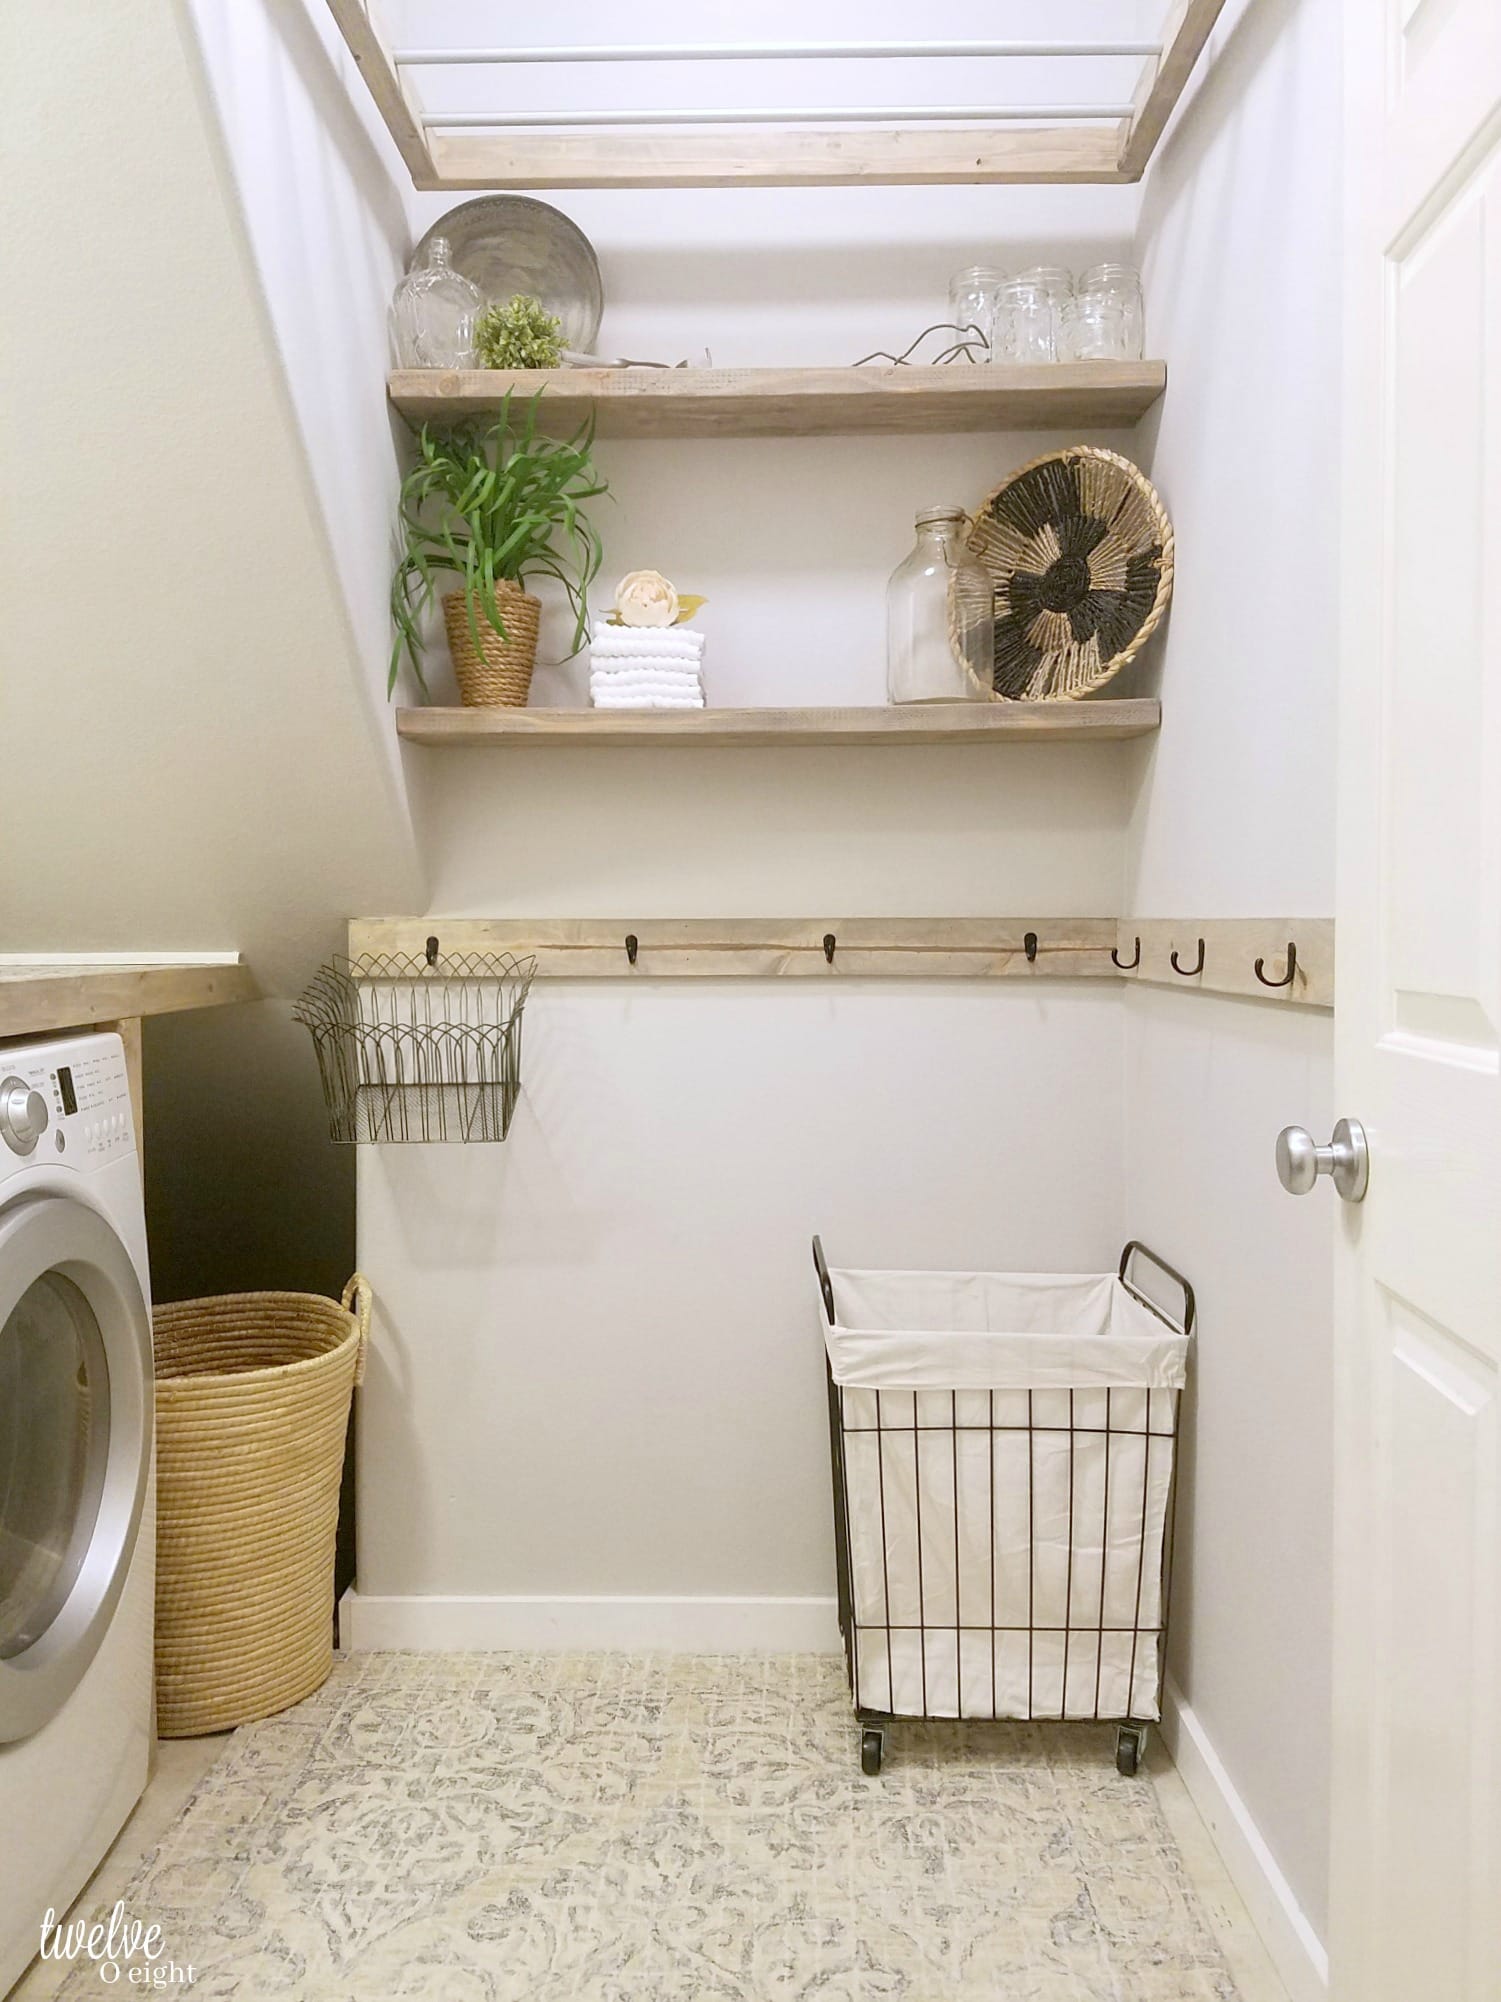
1186 1325
358 1299
825 1284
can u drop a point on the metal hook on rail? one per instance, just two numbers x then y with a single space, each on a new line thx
1188 972
828 947
632 946
1127 965
1029 947
1288 977
432 950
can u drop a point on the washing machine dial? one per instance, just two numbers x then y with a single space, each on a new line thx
23 1115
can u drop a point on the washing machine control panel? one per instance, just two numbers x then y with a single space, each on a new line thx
65 1101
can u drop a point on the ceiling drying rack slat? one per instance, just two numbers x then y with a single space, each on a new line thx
1285 962
796 402
998 140
752 729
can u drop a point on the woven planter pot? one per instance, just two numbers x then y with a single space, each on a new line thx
252 1407
499 672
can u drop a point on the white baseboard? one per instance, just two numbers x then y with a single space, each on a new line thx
1295 1949
706 1625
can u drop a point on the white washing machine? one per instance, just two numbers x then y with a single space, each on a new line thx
77 1516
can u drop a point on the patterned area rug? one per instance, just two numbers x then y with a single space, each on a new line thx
621 1828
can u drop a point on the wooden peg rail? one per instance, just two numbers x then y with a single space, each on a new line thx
1295 956
896 949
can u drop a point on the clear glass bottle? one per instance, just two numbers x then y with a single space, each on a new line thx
1118 289
1032 310
972 296
940 617
433 312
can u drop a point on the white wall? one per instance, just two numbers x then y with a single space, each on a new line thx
600 1368
324 198
1233 817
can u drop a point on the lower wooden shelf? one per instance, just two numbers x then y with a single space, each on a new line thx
748 729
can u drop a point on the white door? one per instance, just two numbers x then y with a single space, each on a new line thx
1417 1696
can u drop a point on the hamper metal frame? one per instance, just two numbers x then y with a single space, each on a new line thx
416 1049
1132 1731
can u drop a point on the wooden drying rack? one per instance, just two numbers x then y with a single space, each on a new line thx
1279 960
840 147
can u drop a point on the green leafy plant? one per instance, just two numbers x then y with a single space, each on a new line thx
519 334
490 503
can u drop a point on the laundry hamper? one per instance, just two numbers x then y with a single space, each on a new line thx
1003 1450
252 1409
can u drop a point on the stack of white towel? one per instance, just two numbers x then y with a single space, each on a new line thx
646 667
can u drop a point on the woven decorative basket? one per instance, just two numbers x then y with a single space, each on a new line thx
252 1407
498 673
1081 551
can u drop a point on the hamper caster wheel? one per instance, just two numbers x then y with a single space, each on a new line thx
1130 1742
872 1744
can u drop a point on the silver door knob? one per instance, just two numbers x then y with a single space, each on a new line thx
1346 1160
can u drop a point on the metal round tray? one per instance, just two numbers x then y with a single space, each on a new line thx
510 243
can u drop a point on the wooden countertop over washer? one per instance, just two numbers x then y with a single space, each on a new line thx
39 996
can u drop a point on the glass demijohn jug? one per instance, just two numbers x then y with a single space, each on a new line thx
940 613
433 313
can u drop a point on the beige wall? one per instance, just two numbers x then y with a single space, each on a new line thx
193 755
196 754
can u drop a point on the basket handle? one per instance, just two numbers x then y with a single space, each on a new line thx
358 1299
1136 1248
825 1285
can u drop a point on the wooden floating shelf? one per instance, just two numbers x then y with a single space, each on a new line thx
750 729
797 402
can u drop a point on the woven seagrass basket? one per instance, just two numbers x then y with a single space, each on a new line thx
252 1407
498 672
1081 551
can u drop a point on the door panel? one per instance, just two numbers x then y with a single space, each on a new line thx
1418 1014
1441 893
1437 1651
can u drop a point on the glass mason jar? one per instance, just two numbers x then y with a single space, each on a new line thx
1094 329
433 312
1031 311
972 296
940 617
1118 288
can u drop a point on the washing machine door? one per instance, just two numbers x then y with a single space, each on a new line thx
75 1446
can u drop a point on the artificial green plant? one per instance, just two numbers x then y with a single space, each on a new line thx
493 503
521 333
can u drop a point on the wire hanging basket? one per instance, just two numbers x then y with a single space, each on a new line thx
416 1049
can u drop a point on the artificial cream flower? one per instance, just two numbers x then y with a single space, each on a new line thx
645 598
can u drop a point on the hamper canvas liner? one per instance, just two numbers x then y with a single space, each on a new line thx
1014 1433
252 1408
